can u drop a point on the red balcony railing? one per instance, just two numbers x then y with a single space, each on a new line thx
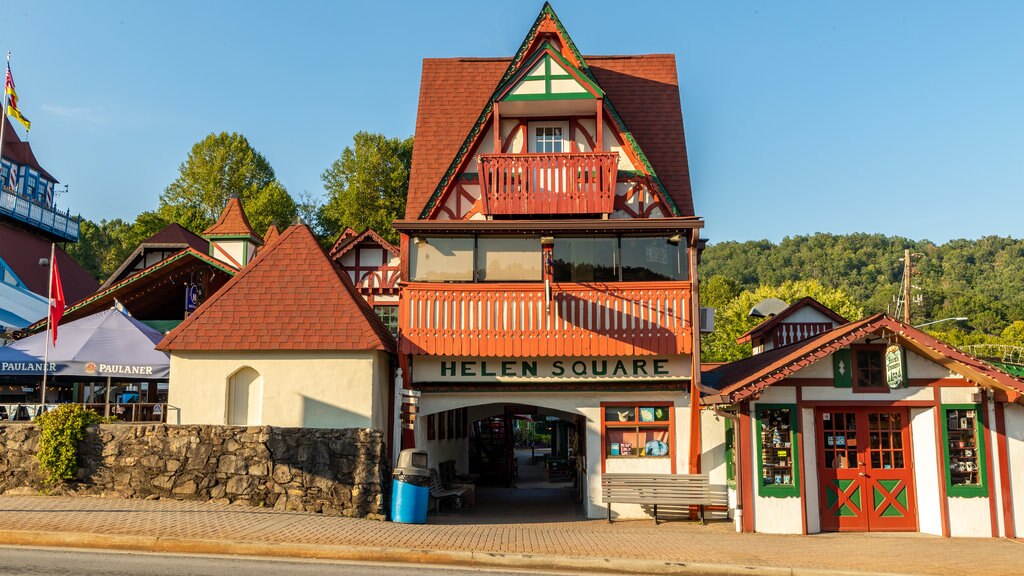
512 320
582 183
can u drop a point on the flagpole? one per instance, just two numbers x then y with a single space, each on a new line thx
3 116
49 315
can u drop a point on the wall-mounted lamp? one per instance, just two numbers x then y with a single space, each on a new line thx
675 239
547 240
419 240
44 261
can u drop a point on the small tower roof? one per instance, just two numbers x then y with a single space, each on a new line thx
272 234
232 223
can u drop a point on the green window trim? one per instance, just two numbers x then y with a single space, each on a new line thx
776 490
979 490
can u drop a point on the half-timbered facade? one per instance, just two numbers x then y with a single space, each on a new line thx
871 425
548 258
374 266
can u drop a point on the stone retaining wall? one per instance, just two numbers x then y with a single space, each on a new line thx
337 472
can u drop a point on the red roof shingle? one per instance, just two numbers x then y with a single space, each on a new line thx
272 234
232 222
644 90
290 297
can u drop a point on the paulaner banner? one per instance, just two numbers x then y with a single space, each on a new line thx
87 369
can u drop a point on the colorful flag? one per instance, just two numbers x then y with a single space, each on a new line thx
12 101
12 178
56 297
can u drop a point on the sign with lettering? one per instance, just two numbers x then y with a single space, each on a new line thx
895 367
567 369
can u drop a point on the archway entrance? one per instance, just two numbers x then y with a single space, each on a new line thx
518 462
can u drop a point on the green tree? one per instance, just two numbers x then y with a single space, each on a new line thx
367 185
733 319
217 167
103 246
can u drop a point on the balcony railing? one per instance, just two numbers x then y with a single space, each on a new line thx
581 183
61 224
513 320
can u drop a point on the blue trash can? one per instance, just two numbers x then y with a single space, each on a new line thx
410 488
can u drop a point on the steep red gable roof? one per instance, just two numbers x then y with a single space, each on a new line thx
347 242
290 297
232 222
21 250
175 233
272 234
454 91
779 318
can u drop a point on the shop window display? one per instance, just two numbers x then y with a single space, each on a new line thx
637 431
964 450
777 455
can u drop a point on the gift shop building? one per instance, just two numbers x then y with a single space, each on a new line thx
549 255
871 425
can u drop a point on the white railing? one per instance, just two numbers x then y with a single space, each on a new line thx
48 219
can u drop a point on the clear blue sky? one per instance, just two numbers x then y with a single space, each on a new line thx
895 117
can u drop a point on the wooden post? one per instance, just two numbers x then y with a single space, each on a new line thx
497 129
907 267
599 139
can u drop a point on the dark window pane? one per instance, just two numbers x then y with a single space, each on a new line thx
653 259
585 259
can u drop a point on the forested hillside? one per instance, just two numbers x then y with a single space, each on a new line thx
982 280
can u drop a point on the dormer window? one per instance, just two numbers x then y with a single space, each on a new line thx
549 137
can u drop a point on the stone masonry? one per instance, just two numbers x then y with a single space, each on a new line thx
334 472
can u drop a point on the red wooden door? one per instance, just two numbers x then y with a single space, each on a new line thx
865 470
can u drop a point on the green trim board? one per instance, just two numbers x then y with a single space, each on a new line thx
1011 369
730 453
842 369
778 490
979 490
545 54
510 72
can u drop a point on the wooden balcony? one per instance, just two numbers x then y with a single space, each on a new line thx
581 183
511 320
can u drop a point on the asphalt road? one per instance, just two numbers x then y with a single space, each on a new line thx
55 562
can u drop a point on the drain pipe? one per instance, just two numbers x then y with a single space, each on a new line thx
738 515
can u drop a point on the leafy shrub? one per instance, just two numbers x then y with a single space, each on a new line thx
61 429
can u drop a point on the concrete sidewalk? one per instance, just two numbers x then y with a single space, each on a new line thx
590 545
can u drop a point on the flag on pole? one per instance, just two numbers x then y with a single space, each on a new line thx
56 297
12 101
12 178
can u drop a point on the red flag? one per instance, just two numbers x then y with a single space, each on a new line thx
56 298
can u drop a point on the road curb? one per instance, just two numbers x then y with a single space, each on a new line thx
494 560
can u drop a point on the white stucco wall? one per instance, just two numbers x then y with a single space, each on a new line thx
809 453
301 389
587 404
712 458
926 470
1014 414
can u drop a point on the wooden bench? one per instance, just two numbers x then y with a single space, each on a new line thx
439 493
654 489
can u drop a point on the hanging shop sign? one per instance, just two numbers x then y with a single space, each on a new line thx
895 367
192 296
569 369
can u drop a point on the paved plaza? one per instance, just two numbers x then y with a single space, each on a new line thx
717 543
